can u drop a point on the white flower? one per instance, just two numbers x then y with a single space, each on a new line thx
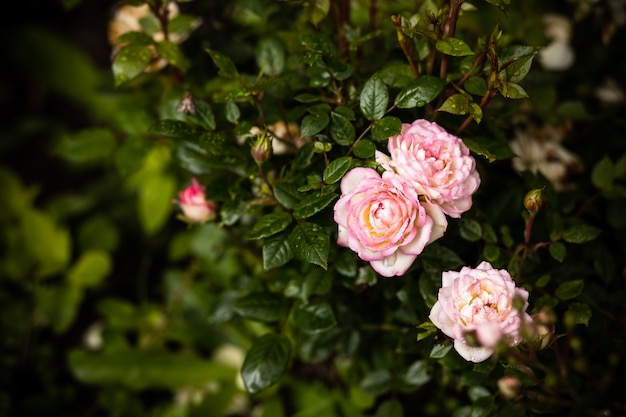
540 150
558 55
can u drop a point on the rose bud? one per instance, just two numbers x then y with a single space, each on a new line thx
194 205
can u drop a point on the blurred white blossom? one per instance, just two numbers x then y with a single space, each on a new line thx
558 55
539 149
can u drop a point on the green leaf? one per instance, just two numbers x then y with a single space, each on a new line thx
265 362
270 224
232 112
440 350
512 90
314 123
310 243
390 408
491 149
317 10
313 204
155 201
476 86
276 252
386 127
130 61
364 149
48 243
317 282
270 56
204 113
419 92
376 382
603 173
137 38
90 269
314 318
427 328
456 104
454 47
570 289
304 155
139 369
500 4
174 129
581 233
224 64
341 129
262 306
287 194
517 70
557 251
337 169
86 146
172 54
57 306
581 312
374 98
470 229
418 373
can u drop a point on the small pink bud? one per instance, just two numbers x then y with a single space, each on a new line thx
262 148
196 208
534 200
509 387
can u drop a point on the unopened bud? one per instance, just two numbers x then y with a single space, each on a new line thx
194 205
262 148
509 387
534 200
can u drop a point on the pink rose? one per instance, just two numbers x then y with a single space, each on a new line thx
482 300
437 163
382 220
196 208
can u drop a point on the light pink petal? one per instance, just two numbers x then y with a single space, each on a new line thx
352 179
422 238
448 277
440 224
394 265
472 354
342 236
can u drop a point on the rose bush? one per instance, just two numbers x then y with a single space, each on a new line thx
484 301
438 164
383 221
320 146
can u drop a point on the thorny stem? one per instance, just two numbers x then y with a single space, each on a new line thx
367 129
405 45
455 8
477 61
489 95
161 11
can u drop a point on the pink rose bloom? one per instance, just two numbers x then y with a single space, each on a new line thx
382 220
437 163
482 300
194 204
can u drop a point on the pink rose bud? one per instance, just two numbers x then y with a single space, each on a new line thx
534 200
483 301
262 148
438 164
196 208
509 387
383 221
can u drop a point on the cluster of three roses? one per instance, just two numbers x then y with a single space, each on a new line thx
388 219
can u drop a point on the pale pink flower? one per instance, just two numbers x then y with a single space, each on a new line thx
383 221
483 301
196 208
437 163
